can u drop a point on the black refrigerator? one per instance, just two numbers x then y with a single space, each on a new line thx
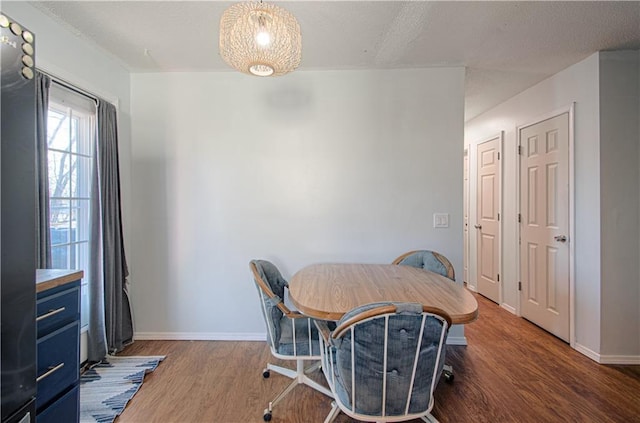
17 223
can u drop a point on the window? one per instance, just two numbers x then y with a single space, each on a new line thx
70 137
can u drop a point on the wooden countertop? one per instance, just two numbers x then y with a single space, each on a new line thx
50 278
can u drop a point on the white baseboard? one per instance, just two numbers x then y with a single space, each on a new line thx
216 336
507 307
457 340
608 359
588 352
198 336
620 359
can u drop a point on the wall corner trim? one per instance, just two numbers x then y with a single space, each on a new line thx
588 352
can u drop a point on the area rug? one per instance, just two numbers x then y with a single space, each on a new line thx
106 388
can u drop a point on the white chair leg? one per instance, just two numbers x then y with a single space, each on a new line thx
429 418
315 366
282 394
291 374
335 410
303 378
315 385
299 377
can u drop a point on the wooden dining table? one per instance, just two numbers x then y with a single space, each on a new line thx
327 291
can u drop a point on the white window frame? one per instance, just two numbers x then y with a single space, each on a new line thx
77 199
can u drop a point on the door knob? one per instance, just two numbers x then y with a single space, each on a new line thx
560 238
477 226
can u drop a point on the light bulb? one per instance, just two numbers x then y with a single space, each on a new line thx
263 38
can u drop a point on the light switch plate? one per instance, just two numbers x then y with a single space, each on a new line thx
441 220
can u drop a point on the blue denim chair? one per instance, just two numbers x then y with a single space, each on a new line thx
436 263
429 260
290 335
383 361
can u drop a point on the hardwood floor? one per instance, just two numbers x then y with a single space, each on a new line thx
511 371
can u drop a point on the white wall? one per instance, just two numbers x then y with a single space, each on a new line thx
310 167
579 84
620 211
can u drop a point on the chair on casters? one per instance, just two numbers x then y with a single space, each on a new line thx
436 263
290 335
383 361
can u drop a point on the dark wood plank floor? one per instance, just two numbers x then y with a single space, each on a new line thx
511 371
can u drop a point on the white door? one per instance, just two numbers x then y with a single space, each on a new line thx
465 212
488 217
544 227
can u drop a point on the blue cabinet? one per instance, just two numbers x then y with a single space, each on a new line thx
65 409
58 347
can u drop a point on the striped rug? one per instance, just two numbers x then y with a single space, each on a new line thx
106 388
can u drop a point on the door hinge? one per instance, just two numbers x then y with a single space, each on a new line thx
520 150
519 286
498 155
498 217
498 277
519 218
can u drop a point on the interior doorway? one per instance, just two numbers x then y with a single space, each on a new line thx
465 214
544 253
487 226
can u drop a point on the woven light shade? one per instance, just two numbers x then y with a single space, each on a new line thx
260 39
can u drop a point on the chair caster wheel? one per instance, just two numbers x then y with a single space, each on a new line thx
448 377
267 416
265 374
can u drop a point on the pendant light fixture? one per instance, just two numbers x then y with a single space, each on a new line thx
260 39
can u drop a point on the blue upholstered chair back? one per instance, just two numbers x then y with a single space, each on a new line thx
387 364
429 260
288 332
270 274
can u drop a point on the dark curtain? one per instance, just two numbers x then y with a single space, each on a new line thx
109 291
43 234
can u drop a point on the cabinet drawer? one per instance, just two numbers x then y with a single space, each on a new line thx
56 310
65 410
58 358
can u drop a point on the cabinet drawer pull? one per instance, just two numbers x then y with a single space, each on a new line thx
50 371
51 313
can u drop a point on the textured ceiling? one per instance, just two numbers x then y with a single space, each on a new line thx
507 46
